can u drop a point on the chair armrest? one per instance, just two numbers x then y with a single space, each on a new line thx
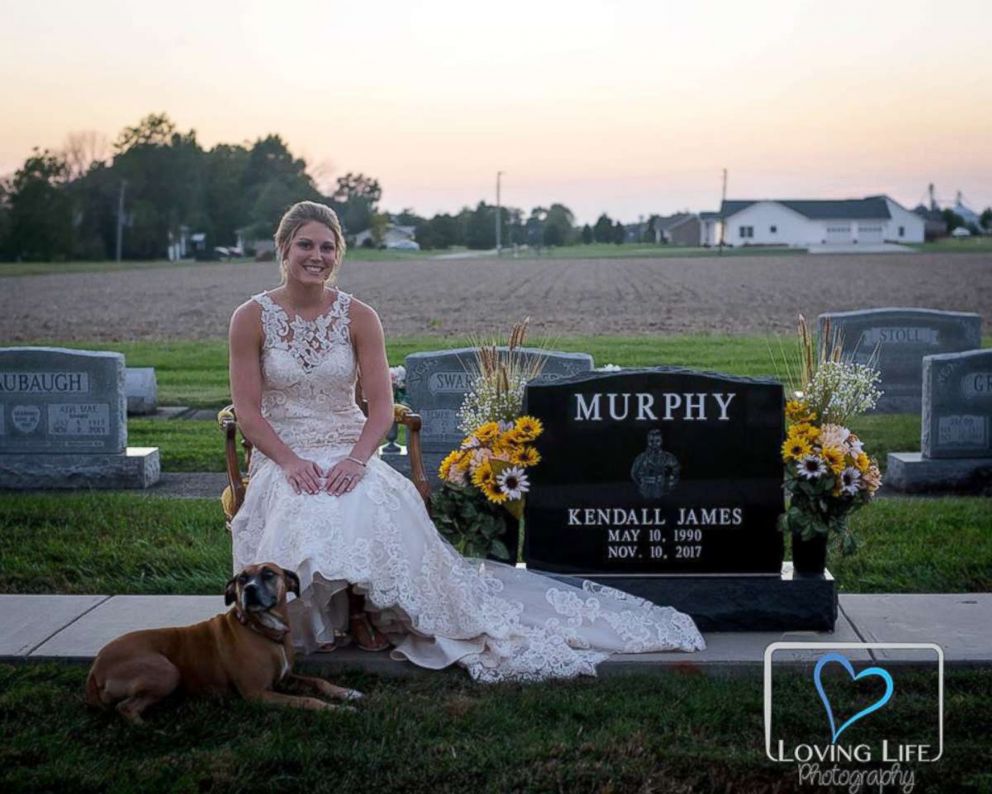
412 422
229 426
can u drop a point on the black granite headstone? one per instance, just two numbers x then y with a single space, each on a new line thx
656 471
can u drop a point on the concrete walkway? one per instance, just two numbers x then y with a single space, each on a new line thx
862 248
74 628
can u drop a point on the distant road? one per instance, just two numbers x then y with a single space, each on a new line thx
477 296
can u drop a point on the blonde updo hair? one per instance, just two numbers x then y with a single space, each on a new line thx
301 213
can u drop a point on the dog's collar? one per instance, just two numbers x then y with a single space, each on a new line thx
276 635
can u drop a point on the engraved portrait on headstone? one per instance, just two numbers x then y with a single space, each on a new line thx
655 471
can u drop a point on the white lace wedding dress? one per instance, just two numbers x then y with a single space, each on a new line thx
498 621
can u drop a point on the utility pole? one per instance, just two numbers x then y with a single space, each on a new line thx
499 217
120 219
723 200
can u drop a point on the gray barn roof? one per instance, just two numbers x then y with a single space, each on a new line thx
669 223
873 208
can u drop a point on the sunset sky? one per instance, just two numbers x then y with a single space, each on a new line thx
625 107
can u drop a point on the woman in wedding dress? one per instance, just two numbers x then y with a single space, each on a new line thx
356 532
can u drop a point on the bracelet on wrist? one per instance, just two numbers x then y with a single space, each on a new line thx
356 460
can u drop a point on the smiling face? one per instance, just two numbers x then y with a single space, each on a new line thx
312 254
258 588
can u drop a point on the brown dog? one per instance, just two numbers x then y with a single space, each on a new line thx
246 650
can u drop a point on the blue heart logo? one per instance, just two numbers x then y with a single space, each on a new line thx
868 671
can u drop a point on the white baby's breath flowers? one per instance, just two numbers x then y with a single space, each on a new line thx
842 389
488 403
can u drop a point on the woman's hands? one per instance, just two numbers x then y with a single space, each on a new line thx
344 476
304 476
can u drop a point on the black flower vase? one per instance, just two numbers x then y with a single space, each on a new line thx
809 557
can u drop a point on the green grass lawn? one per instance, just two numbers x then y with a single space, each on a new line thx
135 543
679 732
970 245
194 374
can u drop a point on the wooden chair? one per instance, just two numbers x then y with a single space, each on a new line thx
234 494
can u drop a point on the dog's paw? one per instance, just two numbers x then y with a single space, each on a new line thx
353 694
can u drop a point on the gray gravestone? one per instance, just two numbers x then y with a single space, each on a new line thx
902 338
957 405
141 390
437 382
63 421
956 438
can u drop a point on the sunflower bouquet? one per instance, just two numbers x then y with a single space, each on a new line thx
493 459
828 473
484 483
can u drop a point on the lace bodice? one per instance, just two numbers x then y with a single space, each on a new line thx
308 376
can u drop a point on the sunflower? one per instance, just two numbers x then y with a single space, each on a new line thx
501 451
796 448
804 430
797 411
487 433
453 458
862 462
493 493
525 456
834 458
484 476
508 438
528 428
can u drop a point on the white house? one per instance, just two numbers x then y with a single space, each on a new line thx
709 228
801 223
394 236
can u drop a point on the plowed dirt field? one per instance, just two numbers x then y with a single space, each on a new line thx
478 296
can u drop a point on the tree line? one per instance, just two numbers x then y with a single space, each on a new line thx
154 182
76 203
